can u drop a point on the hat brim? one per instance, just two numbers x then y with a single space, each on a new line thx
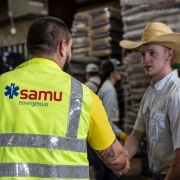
171 41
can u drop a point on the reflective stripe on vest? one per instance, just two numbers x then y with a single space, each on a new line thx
75 108
42 141
43 171
69 143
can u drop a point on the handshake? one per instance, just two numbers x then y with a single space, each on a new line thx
118 172
124 169
115 158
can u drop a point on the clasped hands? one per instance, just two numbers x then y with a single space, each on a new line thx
120 172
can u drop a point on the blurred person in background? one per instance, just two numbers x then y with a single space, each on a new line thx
9 61
92 77
47 116
159 113
93 82
112 72
107 93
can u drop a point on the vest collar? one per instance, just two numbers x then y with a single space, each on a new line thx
40 61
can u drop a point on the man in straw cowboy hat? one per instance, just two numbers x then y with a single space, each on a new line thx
159 112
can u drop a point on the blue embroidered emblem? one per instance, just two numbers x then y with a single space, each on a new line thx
11 91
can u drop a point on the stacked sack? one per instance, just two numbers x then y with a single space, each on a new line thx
96 34
82 42
106 31
136 14
81 34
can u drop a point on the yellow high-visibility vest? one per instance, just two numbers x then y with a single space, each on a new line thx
44 122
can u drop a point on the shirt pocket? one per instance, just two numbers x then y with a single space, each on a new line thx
157 125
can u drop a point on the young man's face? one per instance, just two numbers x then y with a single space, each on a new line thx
155 60
116 75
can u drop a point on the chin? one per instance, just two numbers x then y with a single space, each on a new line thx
149 73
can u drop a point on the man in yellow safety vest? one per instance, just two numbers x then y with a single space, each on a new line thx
47 116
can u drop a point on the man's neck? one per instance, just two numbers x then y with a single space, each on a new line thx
161 76
52 58
112 80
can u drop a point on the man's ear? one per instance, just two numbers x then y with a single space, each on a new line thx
170 54
62 48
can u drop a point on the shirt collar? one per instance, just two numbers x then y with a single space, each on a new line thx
164 81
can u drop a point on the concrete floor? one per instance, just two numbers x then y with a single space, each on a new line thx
133 174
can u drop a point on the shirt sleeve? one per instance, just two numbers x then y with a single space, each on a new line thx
108 100
100 135
173 110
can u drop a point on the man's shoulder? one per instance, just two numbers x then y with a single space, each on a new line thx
107 85
175 83
105 88
175 88
96 79
176 80
8 74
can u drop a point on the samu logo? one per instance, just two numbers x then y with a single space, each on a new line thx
11 91
32 94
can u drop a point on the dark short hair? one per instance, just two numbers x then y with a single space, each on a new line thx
107 68
45 34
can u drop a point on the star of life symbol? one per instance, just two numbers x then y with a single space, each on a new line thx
11 91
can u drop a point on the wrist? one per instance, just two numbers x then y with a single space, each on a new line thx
123 166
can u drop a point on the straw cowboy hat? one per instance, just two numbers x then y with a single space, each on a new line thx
160 34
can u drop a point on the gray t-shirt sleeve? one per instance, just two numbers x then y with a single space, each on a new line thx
108 98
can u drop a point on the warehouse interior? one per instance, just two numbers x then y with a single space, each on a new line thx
96 26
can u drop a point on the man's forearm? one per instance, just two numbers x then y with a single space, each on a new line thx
174 171
131 147
133 142
114 156
173 174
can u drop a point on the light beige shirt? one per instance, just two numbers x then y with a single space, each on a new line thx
159 118
93 83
